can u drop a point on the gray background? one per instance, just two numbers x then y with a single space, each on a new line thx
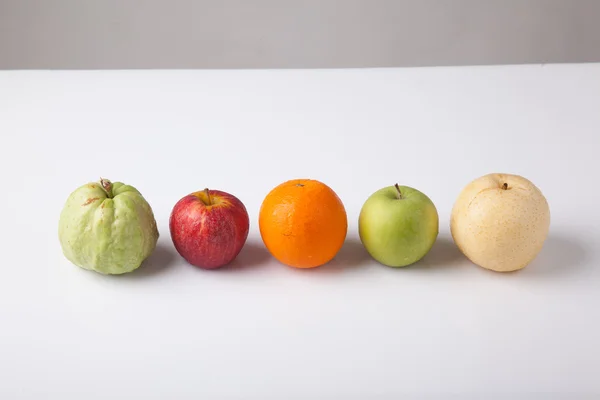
76 34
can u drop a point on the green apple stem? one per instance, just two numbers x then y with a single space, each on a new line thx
505 186
107 186
399 192
208 197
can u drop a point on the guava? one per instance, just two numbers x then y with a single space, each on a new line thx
107 227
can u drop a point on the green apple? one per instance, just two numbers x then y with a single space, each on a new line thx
107 227
398 225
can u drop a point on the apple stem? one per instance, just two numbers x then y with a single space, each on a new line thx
399 192
107 186
208 196
505 186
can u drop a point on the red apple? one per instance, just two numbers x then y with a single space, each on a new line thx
209 228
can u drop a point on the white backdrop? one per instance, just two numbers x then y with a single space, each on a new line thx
353 329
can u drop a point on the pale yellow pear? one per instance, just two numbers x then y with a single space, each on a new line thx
500 221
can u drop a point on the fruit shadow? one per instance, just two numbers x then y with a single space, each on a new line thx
443 254
560 256
351 255
159 261
252 255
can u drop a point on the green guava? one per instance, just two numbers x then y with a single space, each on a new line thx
107 227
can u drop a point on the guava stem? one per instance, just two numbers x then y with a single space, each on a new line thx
107 186
208 196
399 192
505 186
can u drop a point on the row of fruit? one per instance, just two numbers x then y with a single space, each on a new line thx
499 222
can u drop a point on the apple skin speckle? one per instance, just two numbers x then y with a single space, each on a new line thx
398 225
209 234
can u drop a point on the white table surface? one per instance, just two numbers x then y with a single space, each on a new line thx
353 329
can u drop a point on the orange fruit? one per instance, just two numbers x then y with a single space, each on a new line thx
303 223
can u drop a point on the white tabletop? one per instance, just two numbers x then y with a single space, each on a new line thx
352 329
